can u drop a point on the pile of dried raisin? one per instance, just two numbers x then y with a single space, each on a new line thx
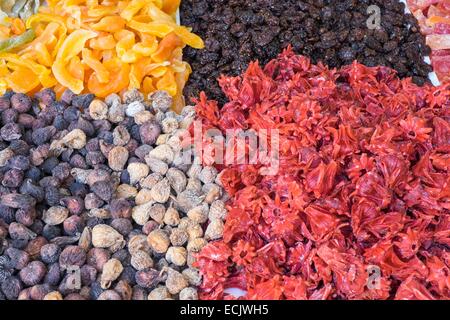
100 200
334 32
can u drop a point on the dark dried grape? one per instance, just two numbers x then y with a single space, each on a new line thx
50 253
43 135
33 273
46 96
53 276
72 256
10 131
334 32
103 189
11 288
19 258
148 278
21 102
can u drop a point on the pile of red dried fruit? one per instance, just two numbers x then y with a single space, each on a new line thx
363 180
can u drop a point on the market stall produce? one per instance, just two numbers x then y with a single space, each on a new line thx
333 182
334 32
99 186
101 49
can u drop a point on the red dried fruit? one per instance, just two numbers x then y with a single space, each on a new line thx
363 183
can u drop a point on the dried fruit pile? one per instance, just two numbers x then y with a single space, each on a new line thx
101 193
101 48
106 188
237 32
363 180
434 19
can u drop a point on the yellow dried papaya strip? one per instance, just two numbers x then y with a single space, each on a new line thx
125 41
191 39
180 66
158 72
171 6
43 56
108 55
119 80
74 43
106 42
130 57
76 68
101 11
68 3
147 46
132 9
158 29
71 47
143 68
16 62
17 26
166 47
3 68
181 78
47 80
27 63
161 29
65 78
99 69
109 24
147 85
42 18
73 21
177 64
22 80
157 14
168 83
45 38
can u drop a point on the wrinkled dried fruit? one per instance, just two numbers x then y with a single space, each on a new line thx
111 271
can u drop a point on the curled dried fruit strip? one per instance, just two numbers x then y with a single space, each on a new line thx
171 6
71 47
109 24
166 47
99 69
118 71
132 9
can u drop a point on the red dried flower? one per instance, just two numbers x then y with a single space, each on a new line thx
363 183
414 128
243 253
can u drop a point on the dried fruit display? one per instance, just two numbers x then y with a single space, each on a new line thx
97 200
434 19
237 32
102 195
363 185
102 48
